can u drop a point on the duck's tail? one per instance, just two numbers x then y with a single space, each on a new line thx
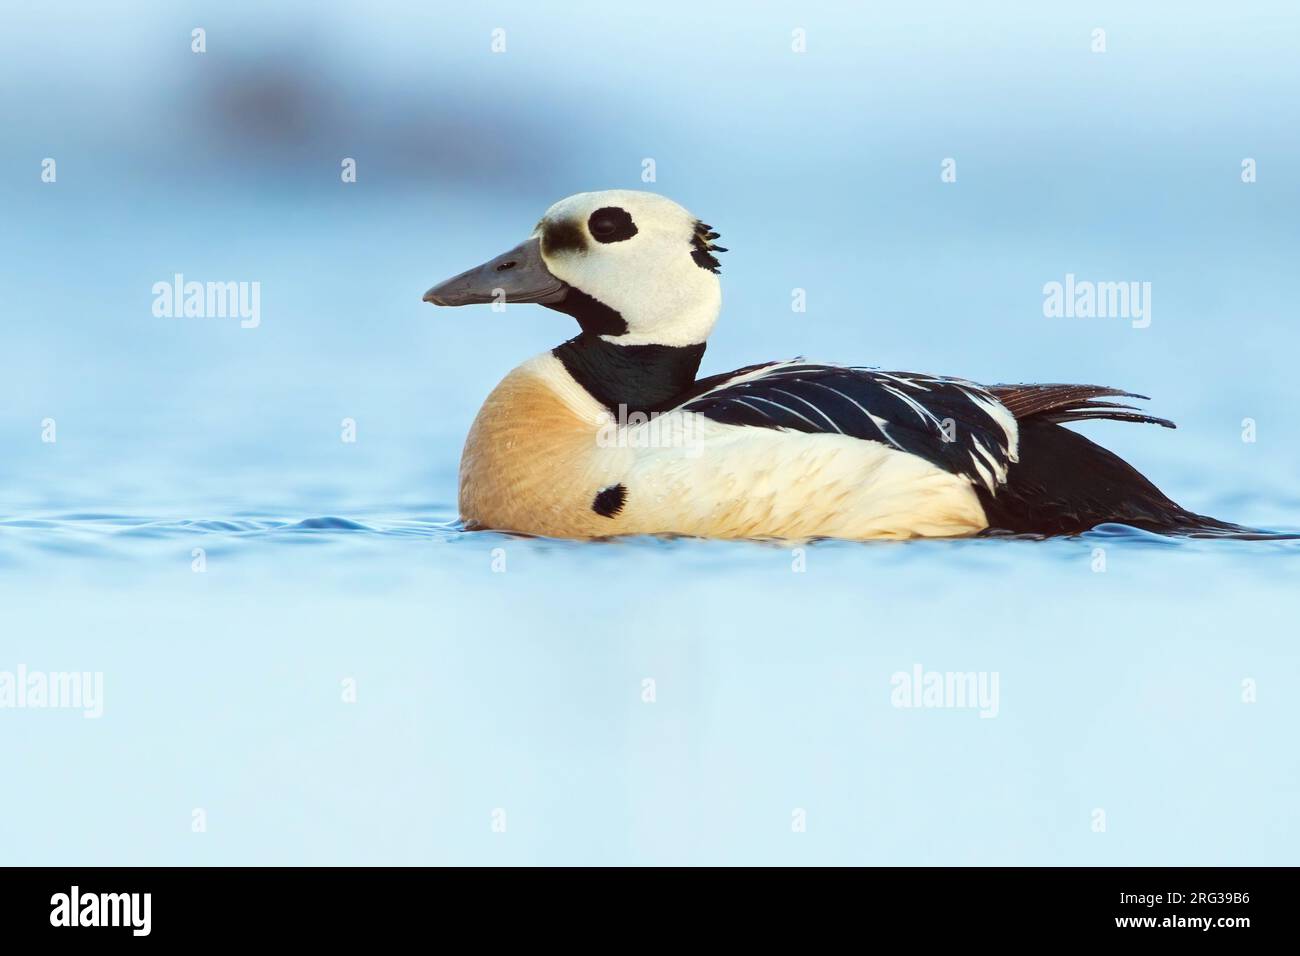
1066 484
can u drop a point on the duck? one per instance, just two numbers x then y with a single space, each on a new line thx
614 433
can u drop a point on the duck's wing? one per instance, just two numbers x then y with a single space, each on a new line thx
952 423
1032 475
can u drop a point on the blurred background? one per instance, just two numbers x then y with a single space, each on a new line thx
821 170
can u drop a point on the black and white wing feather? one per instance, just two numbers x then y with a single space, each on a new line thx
954 424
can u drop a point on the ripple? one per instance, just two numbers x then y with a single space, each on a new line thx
107 535
329 523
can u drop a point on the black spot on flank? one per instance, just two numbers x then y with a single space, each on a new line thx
593 315
703 248
563 236
609 501
611 224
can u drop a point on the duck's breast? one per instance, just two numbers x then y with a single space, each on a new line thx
532 461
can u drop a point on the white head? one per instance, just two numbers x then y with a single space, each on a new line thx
632 267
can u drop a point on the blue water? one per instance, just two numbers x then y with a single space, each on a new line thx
521 689
200 534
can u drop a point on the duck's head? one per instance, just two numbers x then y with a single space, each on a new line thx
632 267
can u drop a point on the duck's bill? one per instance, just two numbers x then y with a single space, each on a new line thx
519 275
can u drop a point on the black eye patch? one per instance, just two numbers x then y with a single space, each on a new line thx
611 224
558 237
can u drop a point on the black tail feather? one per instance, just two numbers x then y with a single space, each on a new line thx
1066 484
1112 411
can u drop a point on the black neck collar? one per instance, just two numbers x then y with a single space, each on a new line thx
642 378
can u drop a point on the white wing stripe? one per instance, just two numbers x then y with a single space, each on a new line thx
800 398
741 401
878 422
922 412
760 398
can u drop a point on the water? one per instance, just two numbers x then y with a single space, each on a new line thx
521 688
201 535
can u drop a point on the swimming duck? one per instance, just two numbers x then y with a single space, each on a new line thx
612 433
